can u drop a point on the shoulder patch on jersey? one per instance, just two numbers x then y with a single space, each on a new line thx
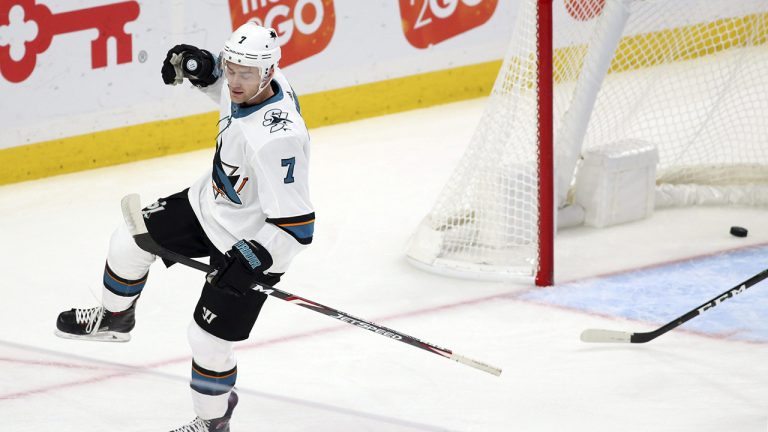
276 120
301 227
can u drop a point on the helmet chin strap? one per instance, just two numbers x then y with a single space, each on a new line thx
261 90
263 86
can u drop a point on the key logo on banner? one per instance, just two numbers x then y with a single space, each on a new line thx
429 22
304 27
27 29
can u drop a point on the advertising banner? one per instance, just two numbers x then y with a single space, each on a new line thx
73 67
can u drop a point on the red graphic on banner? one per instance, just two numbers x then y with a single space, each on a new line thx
109 20
584 10
304 27
428 22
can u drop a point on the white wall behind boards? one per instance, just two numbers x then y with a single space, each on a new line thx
73 67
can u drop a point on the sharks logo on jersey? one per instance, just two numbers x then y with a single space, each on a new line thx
276 119
226 181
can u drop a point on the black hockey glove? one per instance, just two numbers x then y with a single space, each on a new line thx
187 61
243 266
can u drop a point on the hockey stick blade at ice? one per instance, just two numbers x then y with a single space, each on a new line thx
597 335
131 207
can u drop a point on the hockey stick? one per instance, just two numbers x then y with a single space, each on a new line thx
597 335
131 207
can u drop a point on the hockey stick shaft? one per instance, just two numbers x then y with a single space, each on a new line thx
131 207
597 335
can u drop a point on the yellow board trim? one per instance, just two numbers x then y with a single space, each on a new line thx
110 147
162 138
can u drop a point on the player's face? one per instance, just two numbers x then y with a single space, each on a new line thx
243 81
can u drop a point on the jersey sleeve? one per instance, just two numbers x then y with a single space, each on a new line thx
214 90
283 187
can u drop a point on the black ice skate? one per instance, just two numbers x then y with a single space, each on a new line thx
220 424
97 324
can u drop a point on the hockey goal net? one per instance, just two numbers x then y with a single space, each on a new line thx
686 80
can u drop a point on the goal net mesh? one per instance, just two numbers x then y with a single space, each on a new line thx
687 76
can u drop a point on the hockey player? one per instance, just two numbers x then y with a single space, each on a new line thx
250 214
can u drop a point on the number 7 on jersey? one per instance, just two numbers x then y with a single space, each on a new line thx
290 163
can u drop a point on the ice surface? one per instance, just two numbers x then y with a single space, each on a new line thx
373 181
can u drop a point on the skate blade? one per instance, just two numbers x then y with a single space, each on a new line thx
107 336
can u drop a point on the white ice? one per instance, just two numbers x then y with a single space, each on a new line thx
373 181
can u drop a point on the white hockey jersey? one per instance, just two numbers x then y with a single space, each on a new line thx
258 186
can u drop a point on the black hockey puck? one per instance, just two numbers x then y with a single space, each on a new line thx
738 231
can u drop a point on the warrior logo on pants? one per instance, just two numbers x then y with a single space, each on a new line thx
208 316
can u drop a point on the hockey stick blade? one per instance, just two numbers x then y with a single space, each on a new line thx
613 336
131 208
597 335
